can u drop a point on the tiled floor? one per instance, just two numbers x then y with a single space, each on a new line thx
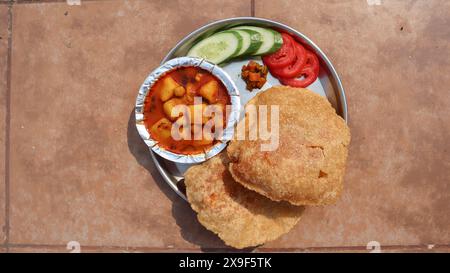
78 171
394 63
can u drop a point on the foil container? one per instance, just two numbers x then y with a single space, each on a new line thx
233 115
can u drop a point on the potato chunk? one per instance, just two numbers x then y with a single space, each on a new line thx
210 91
190 93
198 76
167 88
161 129
182 129
196 111
179 91
168 108
202 142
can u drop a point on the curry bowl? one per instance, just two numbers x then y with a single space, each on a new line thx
176 83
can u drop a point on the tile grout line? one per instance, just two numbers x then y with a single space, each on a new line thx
356 248
252 8
336 248
24 2
8 126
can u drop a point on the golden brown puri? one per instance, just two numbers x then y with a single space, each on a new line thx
308 166
240 217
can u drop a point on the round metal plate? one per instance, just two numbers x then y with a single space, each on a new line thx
328 84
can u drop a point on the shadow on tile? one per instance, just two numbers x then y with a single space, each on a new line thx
191 230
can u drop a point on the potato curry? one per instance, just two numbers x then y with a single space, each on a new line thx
185 86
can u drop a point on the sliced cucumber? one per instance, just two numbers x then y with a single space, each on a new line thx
272 39
219 47
251 42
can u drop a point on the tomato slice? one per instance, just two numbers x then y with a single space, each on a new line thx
309 76
283 56
313 61
292 64
293 70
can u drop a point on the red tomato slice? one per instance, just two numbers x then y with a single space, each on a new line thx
313 61
283 56
293 70
309 76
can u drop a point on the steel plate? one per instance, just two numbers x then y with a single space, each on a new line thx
328 84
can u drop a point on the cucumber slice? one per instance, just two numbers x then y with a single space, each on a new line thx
219 47
251 42
272 40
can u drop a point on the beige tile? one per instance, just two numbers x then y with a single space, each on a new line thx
81 249
92 249
3 86
394 62
390 249
69 2
38 249
79 171
427 249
